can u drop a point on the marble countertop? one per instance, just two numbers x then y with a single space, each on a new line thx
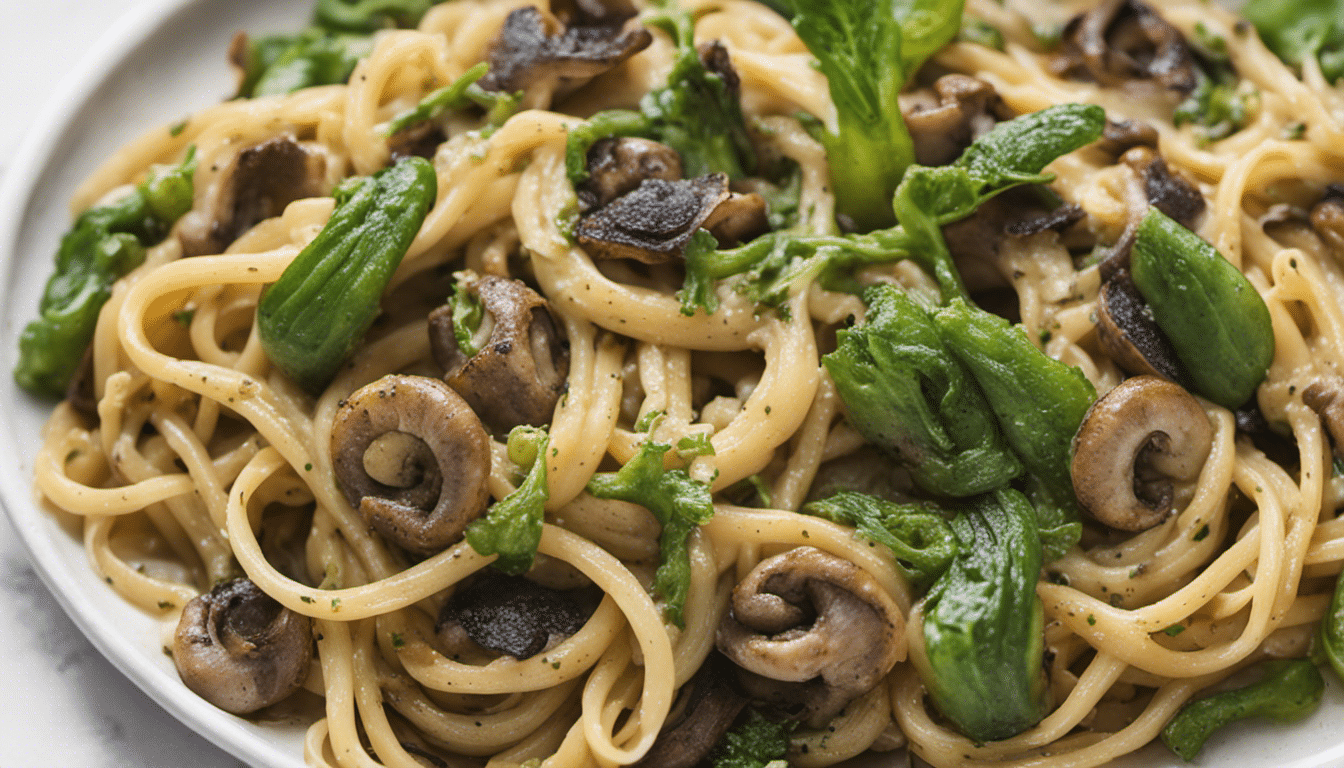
63 703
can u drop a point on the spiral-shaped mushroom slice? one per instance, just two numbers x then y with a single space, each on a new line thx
413 458
814 620
1134 442
241 650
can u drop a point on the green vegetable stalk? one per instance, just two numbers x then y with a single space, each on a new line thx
916 533
105 243
460 93
1331 636
512 527
315 314
907 393
1289 690
868 50
1216 320
982 662
679 503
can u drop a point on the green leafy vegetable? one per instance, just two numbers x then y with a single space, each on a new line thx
1014 153
512 527
315 314
1331 639
756 743
369 15
1039 403
1297 30
1289 690
105 242
906 393
983 623
916 533
696 112
868 50
1215 318
280 64
679 504
462 92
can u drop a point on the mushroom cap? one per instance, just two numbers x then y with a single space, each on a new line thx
811 618
964 110
708 706
1323 397
522 365
534 46
1121 40
412 457
1133 442
256 184
514 615
617 166
239 649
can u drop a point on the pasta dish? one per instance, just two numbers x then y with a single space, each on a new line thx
725 383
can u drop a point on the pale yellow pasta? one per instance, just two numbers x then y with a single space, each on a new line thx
198 439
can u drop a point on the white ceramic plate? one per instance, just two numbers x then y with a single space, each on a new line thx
158 66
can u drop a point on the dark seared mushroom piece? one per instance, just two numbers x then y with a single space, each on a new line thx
1121 135
618 166
239 649
964 110
654 223
522 365
1135 440
257 184
816 622
535 48
1169 192
1122 40
1129 335
412 457
709 705
513 615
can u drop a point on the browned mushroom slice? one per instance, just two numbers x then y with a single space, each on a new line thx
534 48
1327 218
1323 397
964 110
1121 135
1122 40
413 458
514 616
654 223
816 621
256 185
1134 441
1129 335
421 139
708 706
523 363
241 650
1168 192
618 166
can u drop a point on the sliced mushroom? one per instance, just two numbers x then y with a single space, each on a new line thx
654 223
513 615
963 111
420 139
535 50
1134 441
1121 135
241 650
618 166
1167 191
412 457
1327 218
523 362
1129 335
812 619
708 705
256 184
1122 40
1323 397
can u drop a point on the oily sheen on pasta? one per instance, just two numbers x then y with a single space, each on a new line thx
198 460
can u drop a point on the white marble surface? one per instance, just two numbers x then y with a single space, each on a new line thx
63 704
